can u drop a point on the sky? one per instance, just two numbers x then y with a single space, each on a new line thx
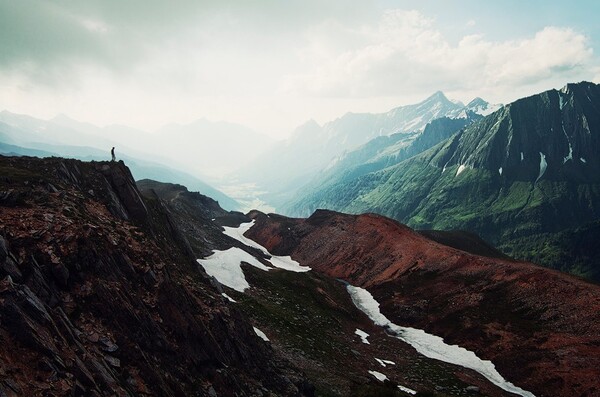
272 65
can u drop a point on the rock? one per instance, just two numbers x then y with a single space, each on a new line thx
212 392
472 389
61 275
115 362
108 345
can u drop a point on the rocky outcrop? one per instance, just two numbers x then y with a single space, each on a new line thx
99 296
538 326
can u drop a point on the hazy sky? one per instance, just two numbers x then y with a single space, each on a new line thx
271 65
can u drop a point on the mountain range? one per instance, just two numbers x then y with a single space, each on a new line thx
525 178
108 286
294 162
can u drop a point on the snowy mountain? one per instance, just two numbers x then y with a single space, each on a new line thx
312 147
526 178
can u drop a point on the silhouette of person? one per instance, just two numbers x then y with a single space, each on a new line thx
112 153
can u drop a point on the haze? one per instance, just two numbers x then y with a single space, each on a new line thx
272 65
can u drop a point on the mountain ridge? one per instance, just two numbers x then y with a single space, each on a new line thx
515 177
499 308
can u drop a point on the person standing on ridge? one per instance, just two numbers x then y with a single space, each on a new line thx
112 153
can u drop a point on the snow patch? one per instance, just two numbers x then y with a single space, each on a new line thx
570 155
363 336
407 390
384 363
460 169
261 334
500 170
379 376
561 101
522 157
582 160
282 262
487 110
543 165
229 298
430 345
225 267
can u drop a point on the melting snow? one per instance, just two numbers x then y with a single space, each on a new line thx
229 298
570 155
407 390
582 160
489 109
363 336
543 165
461 168
380 377
561 102
384 363
261 334
282 262
225 267
430 345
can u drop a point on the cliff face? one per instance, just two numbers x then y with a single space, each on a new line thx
101 295
538 326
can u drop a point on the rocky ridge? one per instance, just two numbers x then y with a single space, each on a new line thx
100 294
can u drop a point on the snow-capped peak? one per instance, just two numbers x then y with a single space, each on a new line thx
482 107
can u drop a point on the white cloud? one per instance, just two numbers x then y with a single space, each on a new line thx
405 51
269 67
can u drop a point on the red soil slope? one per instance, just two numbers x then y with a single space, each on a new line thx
541 328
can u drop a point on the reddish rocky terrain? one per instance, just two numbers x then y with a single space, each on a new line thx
541 328
100 294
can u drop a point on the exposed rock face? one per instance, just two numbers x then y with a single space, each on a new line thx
539 326
99 295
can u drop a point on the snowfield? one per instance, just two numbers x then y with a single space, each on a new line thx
430 345
282 262
225 267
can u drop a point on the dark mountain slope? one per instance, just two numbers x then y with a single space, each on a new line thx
517 177
538 326
100 294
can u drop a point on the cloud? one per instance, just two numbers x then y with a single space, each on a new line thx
404 51
268 64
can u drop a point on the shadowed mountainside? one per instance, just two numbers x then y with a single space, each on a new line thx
101 295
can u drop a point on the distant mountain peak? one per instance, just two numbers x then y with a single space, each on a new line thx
61 117
437 96
477 101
